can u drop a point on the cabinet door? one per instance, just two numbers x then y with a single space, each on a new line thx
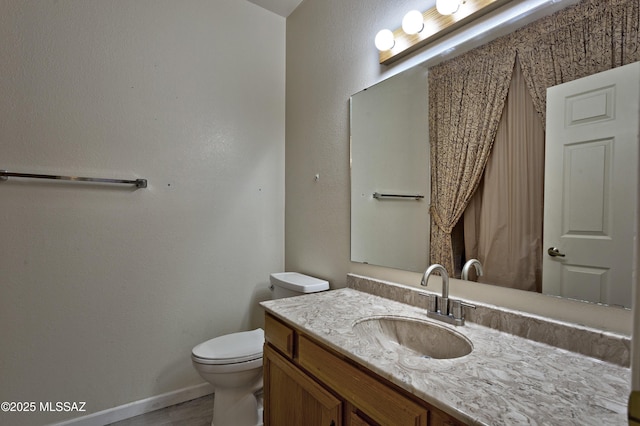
293 399
378 402
279 335
356 420
441 419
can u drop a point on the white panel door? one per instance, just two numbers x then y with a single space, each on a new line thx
591 188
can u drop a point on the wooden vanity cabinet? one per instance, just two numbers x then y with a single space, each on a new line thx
437 419
279 335
308 384
293 398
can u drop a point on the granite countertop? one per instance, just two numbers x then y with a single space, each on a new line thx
505 380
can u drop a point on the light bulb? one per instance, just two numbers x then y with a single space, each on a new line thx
384 40
412 23
447 7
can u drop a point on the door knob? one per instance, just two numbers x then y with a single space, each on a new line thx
554 252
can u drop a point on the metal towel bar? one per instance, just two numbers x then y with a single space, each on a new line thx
139 183
378 195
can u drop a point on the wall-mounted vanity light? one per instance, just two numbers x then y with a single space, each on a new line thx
447 7
419 29
413 22
384 40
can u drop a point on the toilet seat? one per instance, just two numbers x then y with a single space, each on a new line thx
231 348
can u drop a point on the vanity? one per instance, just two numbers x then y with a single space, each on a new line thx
352 357
320 386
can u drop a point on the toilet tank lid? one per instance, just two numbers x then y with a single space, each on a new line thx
241 346
299 282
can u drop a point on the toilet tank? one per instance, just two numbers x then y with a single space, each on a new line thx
288 284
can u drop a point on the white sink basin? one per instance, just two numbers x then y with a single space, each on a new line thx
424 339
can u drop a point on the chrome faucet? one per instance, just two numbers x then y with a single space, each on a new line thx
467 267
439 307
443 303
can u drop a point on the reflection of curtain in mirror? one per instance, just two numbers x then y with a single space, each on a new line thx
466 99
590 37
503 221
466 91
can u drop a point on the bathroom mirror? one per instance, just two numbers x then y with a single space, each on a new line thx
370 174
390 176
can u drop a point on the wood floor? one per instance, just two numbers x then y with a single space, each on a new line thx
197 412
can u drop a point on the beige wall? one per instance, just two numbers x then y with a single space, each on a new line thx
105 290
330 56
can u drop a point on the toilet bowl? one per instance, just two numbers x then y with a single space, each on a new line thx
233 363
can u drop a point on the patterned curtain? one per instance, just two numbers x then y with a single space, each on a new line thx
581 40
467 95
466 98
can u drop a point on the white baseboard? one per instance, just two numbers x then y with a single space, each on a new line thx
143 406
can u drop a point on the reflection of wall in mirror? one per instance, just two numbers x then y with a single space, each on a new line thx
390 154
618 18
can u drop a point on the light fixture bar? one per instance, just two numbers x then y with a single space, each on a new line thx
436 26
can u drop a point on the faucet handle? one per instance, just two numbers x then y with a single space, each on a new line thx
432 301
432 305
456 308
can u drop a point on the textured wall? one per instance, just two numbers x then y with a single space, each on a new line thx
330 56
105 290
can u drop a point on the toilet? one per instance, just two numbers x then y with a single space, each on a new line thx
233 363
